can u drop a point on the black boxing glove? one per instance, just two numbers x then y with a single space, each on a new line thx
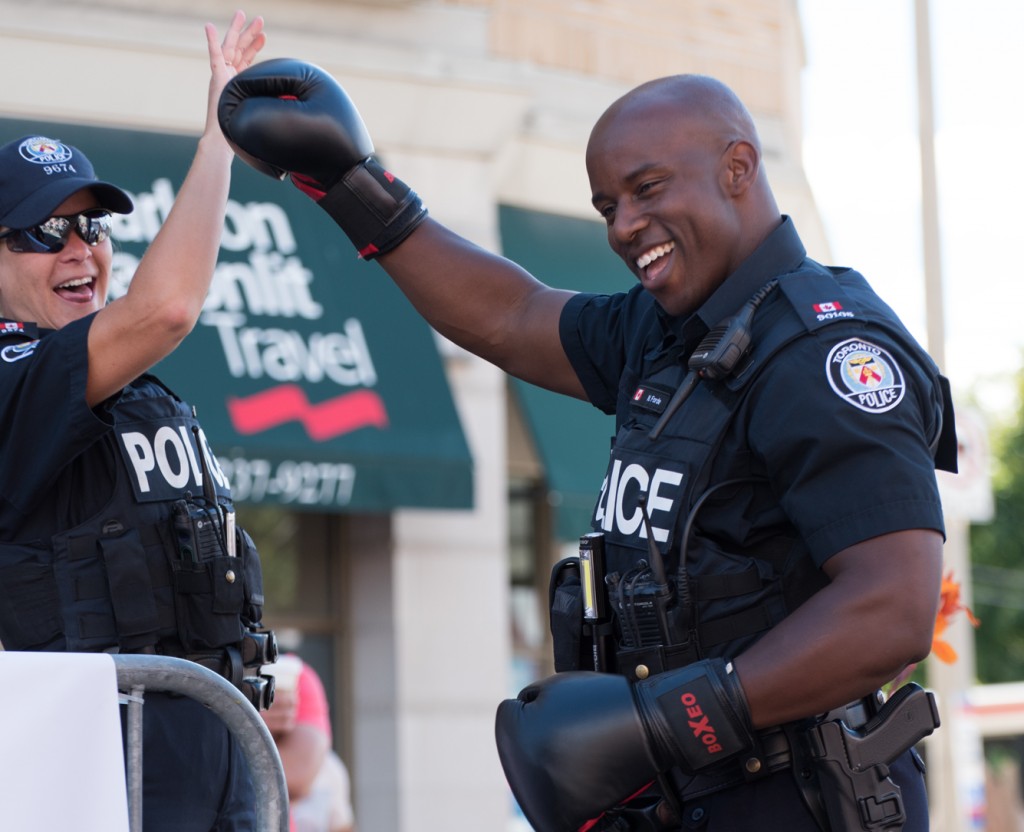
289 118
577 744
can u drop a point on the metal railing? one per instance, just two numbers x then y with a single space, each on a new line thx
138 673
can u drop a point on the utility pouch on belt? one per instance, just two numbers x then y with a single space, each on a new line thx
565 596
581 625
252 612
853 765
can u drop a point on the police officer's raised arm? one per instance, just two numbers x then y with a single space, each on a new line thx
289 117
486 304
165 297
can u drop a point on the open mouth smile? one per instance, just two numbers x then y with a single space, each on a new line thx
648 257
79 289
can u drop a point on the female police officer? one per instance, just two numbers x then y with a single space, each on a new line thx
86 549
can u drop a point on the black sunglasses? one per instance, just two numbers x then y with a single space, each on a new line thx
51 235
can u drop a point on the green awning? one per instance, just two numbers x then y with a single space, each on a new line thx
572 437
317 384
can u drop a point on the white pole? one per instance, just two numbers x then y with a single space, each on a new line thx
955 752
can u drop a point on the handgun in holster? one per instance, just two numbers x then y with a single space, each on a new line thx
853 764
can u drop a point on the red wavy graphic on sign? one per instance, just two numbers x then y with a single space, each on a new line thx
288 403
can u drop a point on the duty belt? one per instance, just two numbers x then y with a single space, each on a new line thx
219 661
244 672
773 751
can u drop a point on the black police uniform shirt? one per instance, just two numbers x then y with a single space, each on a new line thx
47 426
831 473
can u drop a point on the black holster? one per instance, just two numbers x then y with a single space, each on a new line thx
853 763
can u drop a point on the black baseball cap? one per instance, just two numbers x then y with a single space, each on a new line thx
38 173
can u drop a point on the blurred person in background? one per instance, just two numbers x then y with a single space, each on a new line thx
319 791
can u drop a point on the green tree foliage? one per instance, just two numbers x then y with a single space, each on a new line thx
997 557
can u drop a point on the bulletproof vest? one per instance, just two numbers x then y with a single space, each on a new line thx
152 570
720 601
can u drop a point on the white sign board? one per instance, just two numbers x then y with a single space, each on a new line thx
968 494
61 730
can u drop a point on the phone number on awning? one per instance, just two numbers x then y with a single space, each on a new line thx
303 483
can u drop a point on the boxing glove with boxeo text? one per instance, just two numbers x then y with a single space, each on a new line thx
579 743
290 118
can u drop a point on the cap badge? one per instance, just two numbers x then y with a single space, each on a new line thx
43 151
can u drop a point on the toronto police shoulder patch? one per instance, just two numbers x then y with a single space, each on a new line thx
865 375
16 352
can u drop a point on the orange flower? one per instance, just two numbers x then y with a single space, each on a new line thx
949 605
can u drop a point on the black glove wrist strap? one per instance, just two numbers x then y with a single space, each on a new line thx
696 716
374 208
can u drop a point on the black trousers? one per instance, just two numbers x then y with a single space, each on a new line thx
194 776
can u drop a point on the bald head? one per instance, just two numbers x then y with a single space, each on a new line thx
708 104
675 164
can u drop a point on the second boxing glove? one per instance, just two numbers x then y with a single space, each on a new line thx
287 117
577 744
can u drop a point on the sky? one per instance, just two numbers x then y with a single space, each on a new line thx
861 154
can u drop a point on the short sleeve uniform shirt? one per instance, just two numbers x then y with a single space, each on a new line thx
47 478
834 472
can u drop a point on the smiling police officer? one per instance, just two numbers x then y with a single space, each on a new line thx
116 526
770 523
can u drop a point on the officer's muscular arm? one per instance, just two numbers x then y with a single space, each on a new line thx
167 292
289 117
486 304
876 616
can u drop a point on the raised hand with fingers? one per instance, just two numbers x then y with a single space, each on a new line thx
241 44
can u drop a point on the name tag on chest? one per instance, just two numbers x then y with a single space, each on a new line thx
651 397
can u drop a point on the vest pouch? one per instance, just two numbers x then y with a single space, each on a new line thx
252 609
642 662
738 598
131 588
565 595
29 603
208 598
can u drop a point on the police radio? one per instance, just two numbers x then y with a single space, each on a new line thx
203 531
643 595
199 531
718 355
649 611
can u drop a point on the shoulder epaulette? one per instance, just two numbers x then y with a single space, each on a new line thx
11 329
817 297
